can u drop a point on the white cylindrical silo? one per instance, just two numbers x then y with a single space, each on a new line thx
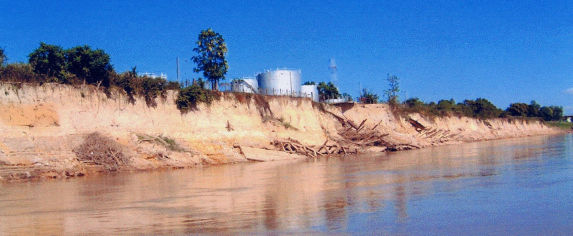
309 91
280 82
245 85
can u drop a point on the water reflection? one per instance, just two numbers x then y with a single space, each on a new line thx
336 194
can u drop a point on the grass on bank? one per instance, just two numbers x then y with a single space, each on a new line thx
561 124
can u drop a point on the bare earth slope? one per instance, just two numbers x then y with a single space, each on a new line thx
40 127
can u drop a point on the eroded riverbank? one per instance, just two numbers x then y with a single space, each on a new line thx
42 127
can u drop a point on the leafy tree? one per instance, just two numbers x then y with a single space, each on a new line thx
48 60
446 105
327 91
3 57
518 109
392 92
368 97
485 109
347 97
210 58
557 112
546 113
309 83
533 109
92 65
414 103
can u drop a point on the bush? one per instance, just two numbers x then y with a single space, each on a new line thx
153 88
20 72
368 97
190 96
103 151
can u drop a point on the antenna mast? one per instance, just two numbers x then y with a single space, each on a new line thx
333 71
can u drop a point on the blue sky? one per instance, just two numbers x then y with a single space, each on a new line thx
506 51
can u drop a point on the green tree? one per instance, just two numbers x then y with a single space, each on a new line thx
546 113
393 90
480 108
210 58
485 109
327 91
533 109
92 65
518 109
49 60
3 57
347 97
446 105
415 103
368 97
309 83
557 112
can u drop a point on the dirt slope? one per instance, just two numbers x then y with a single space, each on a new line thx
41 126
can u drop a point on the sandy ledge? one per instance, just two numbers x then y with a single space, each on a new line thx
42 125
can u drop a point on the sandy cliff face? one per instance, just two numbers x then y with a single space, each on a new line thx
41 125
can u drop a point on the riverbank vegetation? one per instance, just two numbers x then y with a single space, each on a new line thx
561 124
83 65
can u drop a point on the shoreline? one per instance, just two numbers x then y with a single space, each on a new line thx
43 127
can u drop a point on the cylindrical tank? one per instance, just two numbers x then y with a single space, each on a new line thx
245 85
309 91
279 82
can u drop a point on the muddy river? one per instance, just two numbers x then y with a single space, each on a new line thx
516 186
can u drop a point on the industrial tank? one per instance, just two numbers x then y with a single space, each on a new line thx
309 91
245 85
279 82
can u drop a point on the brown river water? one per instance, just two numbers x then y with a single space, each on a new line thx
517 186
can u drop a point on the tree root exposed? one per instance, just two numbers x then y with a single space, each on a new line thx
355 139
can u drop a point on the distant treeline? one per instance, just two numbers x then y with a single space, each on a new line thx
482 108
82 64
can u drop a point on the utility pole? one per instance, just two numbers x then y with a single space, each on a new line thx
178 81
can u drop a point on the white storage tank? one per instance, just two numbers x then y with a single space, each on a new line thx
280 82
245 85
309 91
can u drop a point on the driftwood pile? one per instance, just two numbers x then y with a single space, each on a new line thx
354 138
327 148
362 136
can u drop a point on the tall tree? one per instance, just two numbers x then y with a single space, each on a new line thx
210 58
393 90
48 60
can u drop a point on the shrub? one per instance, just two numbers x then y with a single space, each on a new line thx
190 96
153 88
20 72
368 97
103 151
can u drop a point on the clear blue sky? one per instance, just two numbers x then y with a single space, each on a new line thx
506 51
